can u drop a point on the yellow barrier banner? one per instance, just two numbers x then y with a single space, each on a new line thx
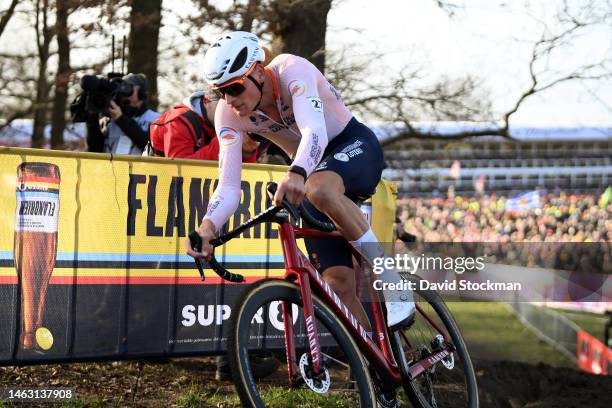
92 260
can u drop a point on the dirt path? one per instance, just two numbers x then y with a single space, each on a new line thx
509 384
189 382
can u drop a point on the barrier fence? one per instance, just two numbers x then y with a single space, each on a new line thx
590 354
92 262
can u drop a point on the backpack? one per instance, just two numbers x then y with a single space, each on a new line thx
201 130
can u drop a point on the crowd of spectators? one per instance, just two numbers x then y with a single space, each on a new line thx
571 232
560 218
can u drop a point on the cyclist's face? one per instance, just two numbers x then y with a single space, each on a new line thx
244 103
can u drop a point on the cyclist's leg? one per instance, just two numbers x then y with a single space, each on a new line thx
351 167
325 189
333 259
342 281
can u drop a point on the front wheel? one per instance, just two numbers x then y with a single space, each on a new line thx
257 324
452 381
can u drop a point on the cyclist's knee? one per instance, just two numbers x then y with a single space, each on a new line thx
323 188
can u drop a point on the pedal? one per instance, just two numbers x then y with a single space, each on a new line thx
437 345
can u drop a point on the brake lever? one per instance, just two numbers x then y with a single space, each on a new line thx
196 244
285 204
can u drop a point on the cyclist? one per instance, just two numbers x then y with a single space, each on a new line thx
336 159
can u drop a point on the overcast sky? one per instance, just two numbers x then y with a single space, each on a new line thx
487 40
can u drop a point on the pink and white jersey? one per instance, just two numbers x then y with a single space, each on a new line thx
312 114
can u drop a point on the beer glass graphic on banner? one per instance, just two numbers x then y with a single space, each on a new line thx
35 248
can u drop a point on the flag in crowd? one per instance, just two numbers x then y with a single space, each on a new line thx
524 201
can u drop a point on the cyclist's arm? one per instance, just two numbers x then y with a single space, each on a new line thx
226 197
309 117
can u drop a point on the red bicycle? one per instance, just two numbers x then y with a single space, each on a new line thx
328 353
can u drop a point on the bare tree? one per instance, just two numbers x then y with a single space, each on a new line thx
571 21
62 76
44 35
24 94
299 27
16 87
6 15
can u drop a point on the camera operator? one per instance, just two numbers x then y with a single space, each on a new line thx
124 129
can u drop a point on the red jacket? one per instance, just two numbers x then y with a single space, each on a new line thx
174 135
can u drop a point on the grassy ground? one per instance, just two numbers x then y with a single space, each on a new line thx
492 332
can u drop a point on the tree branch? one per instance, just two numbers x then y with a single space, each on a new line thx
16 115
412 133
442 100
7 16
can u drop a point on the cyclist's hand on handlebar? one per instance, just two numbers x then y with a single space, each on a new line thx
207 233
292 188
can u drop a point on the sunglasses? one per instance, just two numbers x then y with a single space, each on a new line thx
234 87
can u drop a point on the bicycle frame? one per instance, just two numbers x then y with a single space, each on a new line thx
299 268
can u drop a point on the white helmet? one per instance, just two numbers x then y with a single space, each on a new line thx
231 56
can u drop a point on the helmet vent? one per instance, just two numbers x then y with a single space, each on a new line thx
239 61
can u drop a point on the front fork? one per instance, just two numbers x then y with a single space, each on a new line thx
312 334
292 368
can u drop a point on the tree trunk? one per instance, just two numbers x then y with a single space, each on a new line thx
62 77
145 22
299 27
43 37
249 14
40 104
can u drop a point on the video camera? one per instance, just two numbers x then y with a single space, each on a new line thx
98 91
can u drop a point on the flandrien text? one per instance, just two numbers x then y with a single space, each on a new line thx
447 285
412 264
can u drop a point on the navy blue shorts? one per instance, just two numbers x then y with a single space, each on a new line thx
356 156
